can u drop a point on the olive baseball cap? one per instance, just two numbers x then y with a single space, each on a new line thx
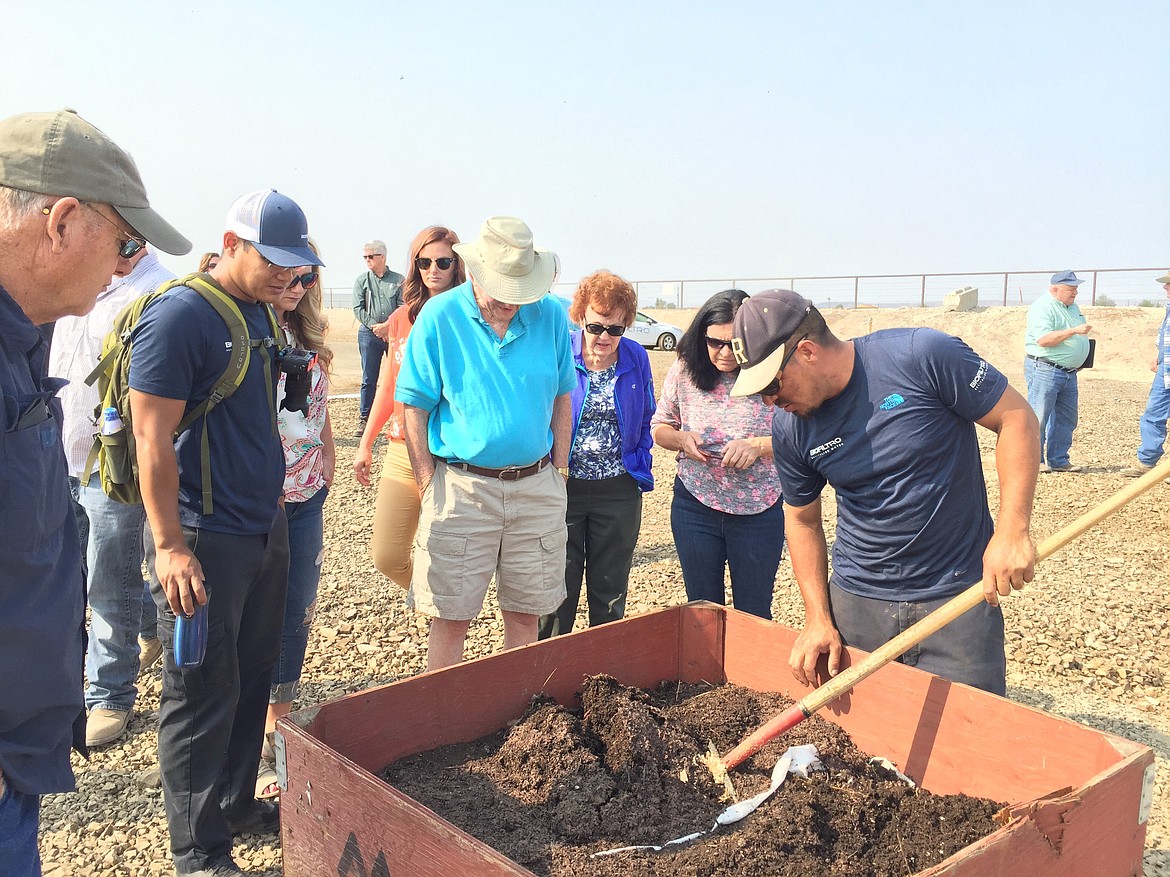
763 325
62 154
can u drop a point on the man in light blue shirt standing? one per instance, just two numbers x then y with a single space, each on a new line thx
1056 346
486 380
1153 422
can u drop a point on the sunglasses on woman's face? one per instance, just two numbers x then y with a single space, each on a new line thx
443 262
717 343
308 281
598 328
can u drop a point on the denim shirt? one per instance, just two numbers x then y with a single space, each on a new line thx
42 593
634 397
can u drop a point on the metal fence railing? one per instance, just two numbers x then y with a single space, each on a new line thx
1116 286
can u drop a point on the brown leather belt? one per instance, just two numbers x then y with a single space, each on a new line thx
1063 368
509 473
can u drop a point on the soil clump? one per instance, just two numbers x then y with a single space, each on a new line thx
623 769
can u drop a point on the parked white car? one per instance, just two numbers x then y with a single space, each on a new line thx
648 332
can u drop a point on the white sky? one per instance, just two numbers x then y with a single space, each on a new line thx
660 140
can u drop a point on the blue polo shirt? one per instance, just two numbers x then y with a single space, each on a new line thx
42 593
898 445
490 399
181 348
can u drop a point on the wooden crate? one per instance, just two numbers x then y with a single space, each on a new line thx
1082 796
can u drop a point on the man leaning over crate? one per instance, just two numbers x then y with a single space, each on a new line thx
233 556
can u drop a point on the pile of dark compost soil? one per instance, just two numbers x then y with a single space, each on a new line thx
561 784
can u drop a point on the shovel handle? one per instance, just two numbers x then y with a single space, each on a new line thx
932 623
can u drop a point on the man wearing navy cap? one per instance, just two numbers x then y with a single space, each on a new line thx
888 420
1056 346
232 557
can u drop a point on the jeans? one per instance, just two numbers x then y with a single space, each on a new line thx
120 607
371 349
749 545
1052 393
19 819
603 518
82 520
1153 422
211 717
305 550
968 650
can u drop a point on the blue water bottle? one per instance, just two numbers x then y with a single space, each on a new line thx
111 422
191 637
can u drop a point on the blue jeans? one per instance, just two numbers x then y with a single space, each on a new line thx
82 520
749 545
305 545
120 605
19 818
371 349
1052 393
1153 422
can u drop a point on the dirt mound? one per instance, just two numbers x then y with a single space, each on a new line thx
623 769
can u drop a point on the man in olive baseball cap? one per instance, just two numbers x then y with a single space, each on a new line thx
72 212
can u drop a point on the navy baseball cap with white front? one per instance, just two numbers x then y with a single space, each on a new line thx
275 225
1065 278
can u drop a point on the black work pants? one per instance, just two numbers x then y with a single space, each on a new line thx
211 717
603 518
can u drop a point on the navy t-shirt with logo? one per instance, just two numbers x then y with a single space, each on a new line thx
181 348
898 445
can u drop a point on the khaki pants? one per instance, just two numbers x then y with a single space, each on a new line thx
395 516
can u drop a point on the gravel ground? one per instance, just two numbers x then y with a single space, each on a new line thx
1089 641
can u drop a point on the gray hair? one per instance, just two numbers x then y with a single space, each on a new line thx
19 205
378 247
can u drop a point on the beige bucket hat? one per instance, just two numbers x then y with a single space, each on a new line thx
504 262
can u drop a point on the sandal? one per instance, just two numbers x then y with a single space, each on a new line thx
267 785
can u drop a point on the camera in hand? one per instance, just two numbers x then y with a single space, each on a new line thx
297 365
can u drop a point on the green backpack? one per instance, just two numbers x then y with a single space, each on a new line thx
113 454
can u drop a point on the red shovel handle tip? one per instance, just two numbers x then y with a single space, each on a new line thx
765 734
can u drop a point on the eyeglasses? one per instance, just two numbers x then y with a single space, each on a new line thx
717 343
597 329
773 388
373 255
128 248
308 281
443 262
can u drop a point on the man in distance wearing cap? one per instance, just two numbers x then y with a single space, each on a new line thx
486 380
888 421
1056 345
1153 422
73 210
233 558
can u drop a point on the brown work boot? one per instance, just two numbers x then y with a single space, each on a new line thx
105 726
149 652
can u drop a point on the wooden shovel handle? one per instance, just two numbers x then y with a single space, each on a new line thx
932 623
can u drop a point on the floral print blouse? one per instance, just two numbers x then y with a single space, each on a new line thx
718 417
300 435
597 447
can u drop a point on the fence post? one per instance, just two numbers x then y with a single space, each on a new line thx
923 304
856 281
1005 280
1093 293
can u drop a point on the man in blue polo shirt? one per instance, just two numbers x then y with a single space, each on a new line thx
888 420
1056 345
73 211
486 380
231 557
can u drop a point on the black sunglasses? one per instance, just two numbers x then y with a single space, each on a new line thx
717 343
129 248
443 262
774 387
308 281
597 329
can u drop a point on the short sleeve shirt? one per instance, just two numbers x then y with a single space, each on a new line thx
898 445
180 349
718 418
1045 315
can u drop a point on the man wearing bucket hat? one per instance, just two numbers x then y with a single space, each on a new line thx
231 557
73 211
1056 346
1153 423
486 380
888 421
